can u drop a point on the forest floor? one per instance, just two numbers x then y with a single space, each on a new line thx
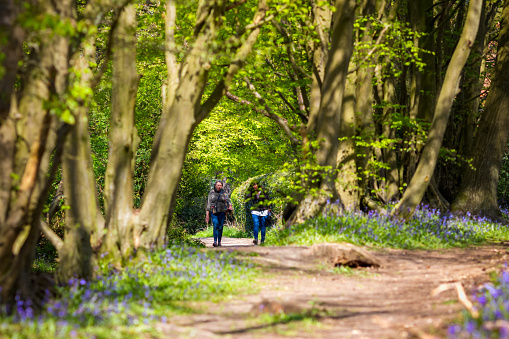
392 301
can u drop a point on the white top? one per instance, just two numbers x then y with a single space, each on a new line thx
261 214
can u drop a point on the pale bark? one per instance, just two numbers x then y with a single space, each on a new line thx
346 180
420 181
123 140
84 222
364 105
478 192
391 182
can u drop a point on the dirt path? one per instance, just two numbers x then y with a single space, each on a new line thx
393 301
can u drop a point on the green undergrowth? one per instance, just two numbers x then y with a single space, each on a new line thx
132 300
428 229
229 232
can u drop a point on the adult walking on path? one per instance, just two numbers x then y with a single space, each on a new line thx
218 203
260 211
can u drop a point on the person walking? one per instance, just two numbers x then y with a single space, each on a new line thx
218 203
260 210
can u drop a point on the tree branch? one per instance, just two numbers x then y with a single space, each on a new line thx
51 235
235 4
289 48
104 65
267 111
370 53
235 64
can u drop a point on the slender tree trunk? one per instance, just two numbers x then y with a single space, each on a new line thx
389 153
83 220
346 181
420 181
364 107
119 178
329 118
478 192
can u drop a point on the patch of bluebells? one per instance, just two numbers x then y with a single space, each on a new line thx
428 228
492 303
130 296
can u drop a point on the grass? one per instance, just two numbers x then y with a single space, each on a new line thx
130 301
230 232
428 229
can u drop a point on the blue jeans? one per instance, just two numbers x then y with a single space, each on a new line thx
259 224
218 221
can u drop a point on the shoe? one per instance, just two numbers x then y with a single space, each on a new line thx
214 244
263 242
255 242
219 244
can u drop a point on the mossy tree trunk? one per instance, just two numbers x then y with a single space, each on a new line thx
28 135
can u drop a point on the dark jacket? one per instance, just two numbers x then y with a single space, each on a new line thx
221 205
258 202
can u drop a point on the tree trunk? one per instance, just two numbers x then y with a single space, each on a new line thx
364 107
83 220
478 193
346 180
119 178
28 135
420 181
13 52
181 115
329 117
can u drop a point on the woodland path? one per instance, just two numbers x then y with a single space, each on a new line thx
393 301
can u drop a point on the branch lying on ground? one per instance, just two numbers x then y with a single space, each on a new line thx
461 296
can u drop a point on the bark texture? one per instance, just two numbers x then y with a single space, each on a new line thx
329 116
478 192
28 135
123 140
421 179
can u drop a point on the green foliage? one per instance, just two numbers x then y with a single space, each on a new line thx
429 229
273 185
128 302
178 235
